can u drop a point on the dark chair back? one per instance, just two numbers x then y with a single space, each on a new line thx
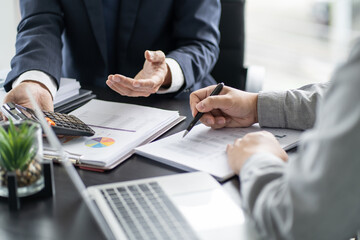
229 67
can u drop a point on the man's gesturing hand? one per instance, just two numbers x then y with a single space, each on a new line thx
155 74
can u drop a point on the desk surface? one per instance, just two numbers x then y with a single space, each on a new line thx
65 216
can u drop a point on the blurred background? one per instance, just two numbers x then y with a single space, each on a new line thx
297 42
9 18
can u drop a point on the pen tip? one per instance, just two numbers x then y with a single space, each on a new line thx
185 133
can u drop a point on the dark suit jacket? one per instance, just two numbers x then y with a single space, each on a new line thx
67 38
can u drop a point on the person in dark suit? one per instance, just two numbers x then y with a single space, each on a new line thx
103 42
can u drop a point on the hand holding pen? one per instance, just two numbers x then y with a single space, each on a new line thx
230 108
197 117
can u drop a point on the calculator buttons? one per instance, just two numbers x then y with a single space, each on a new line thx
64 124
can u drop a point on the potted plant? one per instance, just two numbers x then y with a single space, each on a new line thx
21 152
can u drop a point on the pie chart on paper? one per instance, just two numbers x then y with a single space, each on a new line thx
100 142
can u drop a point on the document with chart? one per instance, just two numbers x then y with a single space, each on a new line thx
204 148
119 128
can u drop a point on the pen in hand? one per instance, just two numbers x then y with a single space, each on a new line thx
197 117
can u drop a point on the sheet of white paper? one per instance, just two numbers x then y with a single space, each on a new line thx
204 148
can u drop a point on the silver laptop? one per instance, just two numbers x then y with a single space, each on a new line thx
180 206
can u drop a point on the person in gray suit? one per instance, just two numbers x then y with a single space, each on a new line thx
315 193
105 43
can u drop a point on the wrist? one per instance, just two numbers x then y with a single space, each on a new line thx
43 86
255 104
168 78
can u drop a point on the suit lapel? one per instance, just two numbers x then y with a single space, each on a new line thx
127 18
95 13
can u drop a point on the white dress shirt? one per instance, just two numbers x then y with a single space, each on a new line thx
39 76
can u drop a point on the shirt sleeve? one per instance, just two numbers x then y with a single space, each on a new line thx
177 77
38 76
294 109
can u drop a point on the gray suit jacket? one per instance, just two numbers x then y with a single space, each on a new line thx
316 195
68 38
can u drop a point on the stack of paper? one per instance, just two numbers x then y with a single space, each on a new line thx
68 88
70 96
119 128
204 149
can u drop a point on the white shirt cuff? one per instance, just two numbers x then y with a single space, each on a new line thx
177 77
38 76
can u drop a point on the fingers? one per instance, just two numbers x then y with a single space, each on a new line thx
146 82
229 147
132 83
264 141
202 101
130 87
215 120
211 106
221 102
235 158
198 96
155 56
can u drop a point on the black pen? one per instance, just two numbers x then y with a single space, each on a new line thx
197 117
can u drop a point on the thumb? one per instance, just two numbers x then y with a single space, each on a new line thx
213 102
229 147
154 56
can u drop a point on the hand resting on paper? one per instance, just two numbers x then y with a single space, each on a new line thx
250 144
231 108
235 108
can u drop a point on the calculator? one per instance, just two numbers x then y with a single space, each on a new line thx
62 124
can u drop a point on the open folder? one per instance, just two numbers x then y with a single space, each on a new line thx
204 148
119 129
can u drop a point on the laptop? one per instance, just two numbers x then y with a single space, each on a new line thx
180 206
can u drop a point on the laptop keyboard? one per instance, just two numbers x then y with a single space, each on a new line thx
145 212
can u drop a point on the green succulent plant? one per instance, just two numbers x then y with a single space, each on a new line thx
17 147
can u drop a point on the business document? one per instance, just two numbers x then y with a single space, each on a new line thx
204 148
119 128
